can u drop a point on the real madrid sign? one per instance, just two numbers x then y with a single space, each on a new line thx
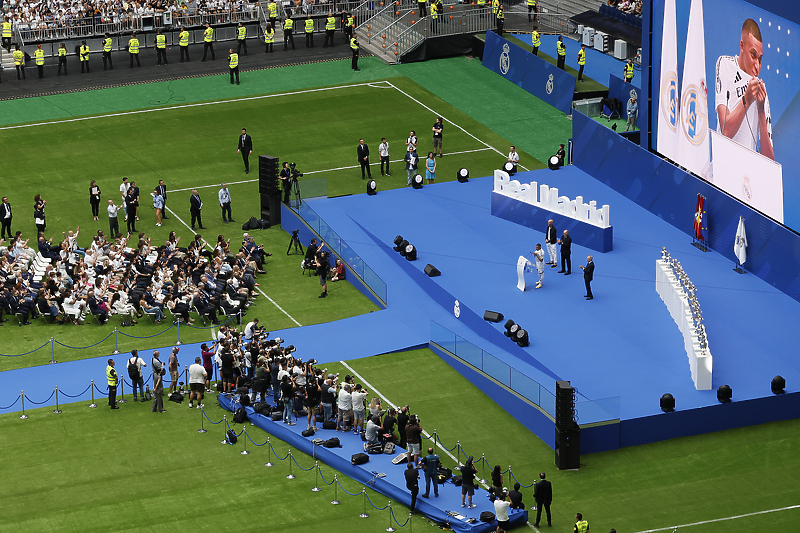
505 60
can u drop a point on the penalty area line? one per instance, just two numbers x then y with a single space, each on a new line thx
757 513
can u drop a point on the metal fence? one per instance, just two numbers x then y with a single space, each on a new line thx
468 21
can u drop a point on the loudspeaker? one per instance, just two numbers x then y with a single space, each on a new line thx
492 316
432 271
268 173
568 449
667 403
271 208
565 405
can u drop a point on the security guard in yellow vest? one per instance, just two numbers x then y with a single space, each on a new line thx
501 19
107 52
19 61
309 31
133 50
535 40
62 58
581 525
161 47
269 37
208 42
629 71
233 63
84 55
183 42
113 379
330 29
581 61
354 47
533 8
38 55
495 6
241 39
561 48
288 24
7 27
272 10
422 5
350 25
434 16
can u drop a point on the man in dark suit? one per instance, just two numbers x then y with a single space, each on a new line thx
130 210
245 148
588 274
363 158
543 494
5 218
515 497
566 250
162 190
95 309
195 205
47 249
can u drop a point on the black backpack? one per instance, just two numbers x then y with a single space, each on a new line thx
333 442
487 516
239 416
231 437
133 370
251 224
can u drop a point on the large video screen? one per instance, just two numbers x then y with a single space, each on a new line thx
726 99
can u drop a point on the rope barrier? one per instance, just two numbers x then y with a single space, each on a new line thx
12 405
98 390
439 442
148 336
345 490
204 412
44 402
373 505
395 519
323 477
26 353
254 442
79 394
300 467
517 481
83 347
276 453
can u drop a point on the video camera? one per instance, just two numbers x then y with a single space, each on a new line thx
295 173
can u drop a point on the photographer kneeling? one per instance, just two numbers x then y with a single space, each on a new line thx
322 271
371 434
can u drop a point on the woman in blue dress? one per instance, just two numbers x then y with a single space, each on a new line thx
430 168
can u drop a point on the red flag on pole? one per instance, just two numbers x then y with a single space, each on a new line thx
698 218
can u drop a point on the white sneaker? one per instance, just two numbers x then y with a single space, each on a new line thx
200 406
190 405
538 285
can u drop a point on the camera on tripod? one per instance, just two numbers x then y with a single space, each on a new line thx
295 173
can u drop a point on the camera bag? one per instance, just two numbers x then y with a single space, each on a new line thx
329 424
308 432
359 459
487 516
276 415
333 442
388 448
239 416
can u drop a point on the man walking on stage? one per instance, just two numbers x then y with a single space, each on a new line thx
539 255
588 275
551 238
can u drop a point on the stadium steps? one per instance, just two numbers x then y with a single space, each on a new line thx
388 23
7 60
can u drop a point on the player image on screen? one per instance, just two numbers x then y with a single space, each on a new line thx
741 96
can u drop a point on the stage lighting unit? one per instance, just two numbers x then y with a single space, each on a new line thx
432 272
401 247
509 167
462 175
410 253
724 394
397 241
552 163
509 324
778 385
667 403
493 316
416 182
521 338
372 188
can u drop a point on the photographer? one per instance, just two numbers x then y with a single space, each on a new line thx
312 400
287 397
413 437
286 181
327 396
345 406
371 433
359 408
322 271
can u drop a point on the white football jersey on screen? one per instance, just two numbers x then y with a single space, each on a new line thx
730 86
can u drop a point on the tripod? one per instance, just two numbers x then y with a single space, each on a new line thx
298 201
296 243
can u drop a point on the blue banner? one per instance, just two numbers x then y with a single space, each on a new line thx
543 80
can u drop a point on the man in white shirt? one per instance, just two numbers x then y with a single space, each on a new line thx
501 505
383 150
412 139
123 191
197 383
345 406
551 238
539 255
251 329
225 203
741 97
135 364
359 408
513 158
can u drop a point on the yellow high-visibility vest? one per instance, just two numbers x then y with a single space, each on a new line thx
269 36
330 23
84 50
107 45
273 10
309 26
6 29
208 35
111 376
628 70
288 24
234 60
582 57
241 33
562 48
535 41
62 52
532 3
184 38
39 56
353 44
133 45
161 41
19 57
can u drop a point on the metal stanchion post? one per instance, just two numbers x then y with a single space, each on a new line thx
92 405
290 476
178 343
390 529
458 452
52 351
316 478
57 411
435 438
122 392
224 419
410 523
185 377
483 468
116 346
23 416
364 513
269 454
335 500
244 430
202 421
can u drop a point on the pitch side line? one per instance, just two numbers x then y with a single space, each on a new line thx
450 121
185 106
257 288
316 171
721 519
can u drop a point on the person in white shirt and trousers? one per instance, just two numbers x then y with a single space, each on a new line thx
551 238
513 158
383 150
539 255
225 203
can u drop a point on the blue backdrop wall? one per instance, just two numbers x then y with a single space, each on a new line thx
670 193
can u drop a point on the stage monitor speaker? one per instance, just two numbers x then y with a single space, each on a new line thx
568 449
432 271
493 316
724 394
271 208
268 173
778 385
667 403
565 405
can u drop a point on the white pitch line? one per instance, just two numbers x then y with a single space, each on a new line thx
320 171
376 391
257 288
450 121
722 519
185 106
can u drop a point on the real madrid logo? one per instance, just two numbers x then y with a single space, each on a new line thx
457 309
505 59
549 86
633 94
747 190
669 100
694 115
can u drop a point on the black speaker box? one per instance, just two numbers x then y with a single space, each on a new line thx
271 208
568 449
268 173
432 271
565 405
491 316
